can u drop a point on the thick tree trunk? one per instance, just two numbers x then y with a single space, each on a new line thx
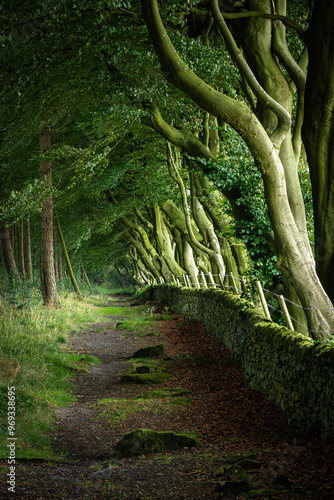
67 259
295 259
27 250
7 250
47 272
318 135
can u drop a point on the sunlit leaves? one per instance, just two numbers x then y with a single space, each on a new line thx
21 204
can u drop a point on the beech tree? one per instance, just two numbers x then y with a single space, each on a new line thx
266 125
318 135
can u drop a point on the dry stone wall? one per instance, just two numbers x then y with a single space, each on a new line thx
290 369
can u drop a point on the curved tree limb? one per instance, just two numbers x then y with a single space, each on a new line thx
298 76
177 178
282 114
289 23
181 138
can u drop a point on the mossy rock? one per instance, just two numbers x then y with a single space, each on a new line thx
145 378
249 464
265 492
147 442
154 351
233 487
235 470
143 369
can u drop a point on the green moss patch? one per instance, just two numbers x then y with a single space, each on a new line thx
117 410
148 442
164 392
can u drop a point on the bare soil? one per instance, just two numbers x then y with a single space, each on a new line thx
230 420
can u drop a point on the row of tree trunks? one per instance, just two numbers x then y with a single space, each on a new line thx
7 249
23 248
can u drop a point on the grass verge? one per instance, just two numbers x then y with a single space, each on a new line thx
34 362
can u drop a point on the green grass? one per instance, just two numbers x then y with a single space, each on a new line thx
34 360
117 410
164 392
141 326
116 311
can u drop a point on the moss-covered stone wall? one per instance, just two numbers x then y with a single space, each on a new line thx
289 368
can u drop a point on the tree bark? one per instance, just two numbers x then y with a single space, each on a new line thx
318 135
7 250
27 250
47 272
21 250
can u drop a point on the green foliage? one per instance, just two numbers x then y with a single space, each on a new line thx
22 294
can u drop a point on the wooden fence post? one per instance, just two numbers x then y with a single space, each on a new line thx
212 280
204 280
197 284
188 280
285 312
263 299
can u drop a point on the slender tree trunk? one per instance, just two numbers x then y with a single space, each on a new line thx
84 275
27 250
60 268
21 251
67 258
56 265
7 249
47 272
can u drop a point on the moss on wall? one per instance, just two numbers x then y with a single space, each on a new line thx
290 369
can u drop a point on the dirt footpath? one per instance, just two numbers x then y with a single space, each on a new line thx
232 422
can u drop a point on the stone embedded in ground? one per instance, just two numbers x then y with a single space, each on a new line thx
146 442
153 351
249 464
265 492
219 472
281 481
145 378
143 369
233 487
138 302
235 470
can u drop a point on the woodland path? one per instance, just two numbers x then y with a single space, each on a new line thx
230 421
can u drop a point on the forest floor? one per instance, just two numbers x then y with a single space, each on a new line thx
231 422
